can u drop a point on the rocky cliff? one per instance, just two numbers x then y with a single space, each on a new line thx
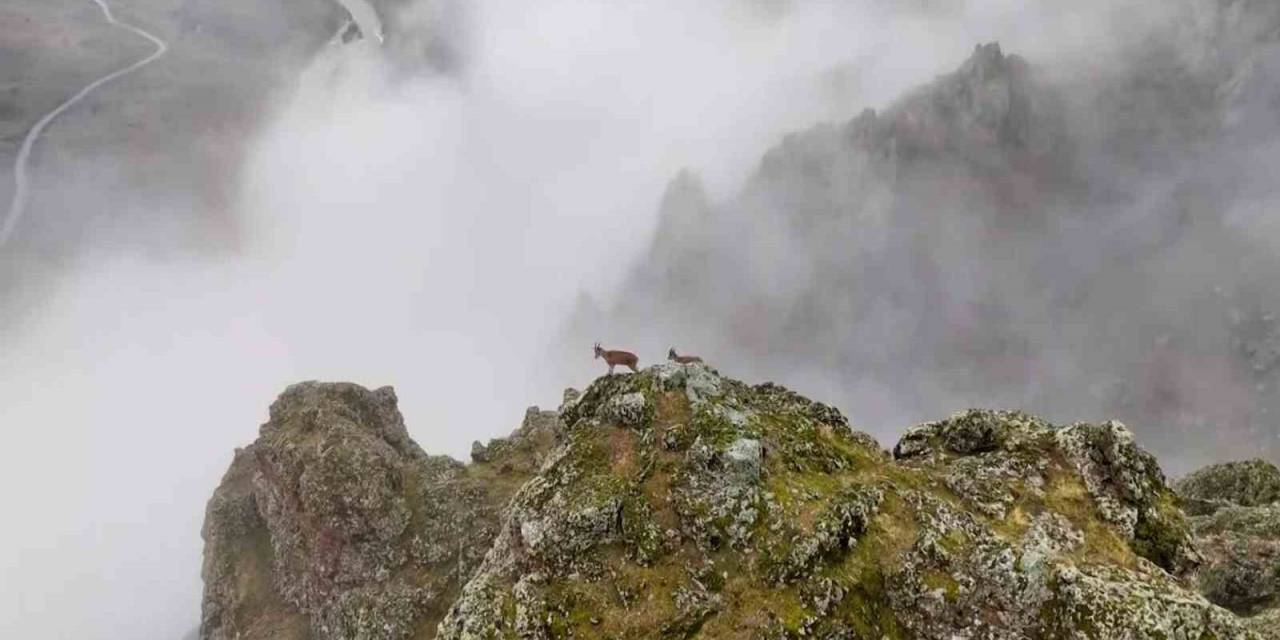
680 503
335 524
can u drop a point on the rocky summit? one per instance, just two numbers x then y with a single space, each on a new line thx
678 503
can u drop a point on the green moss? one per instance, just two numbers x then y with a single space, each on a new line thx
822 537
934 579
1066 494
862 572
787 608
954 541
253 562
643 537
1161 534
712 427
572 610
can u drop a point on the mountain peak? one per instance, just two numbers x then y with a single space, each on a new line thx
678 502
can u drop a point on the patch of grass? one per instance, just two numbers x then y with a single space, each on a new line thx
1066 494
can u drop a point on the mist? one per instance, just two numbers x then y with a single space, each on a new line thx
1071 226
434 221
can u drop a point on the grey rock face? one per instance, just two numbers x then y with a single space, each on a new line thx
986 450
238 565
1238 527
1242 547
1266 624
335 524
744 457
1127 485
628 410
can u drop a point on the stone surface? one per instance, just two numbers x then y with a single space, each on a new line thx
1238 528
677 504
335 524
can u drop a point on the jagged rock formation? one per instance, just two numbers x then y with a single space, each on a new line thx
679 503
977 235
334 524
1238 526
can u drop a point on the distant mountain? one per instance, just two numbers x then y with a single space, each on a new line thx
1093 239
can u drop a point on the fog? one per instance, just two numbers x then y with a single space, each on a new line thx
429 226
1081 230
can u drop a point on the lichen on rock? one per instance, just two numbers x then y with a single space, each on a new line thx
1130 491
1238 529
678 503
335 524
988 457
1250 483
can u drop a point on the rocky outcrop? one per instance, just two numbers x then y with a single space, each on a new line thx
679 503
1124 482
1238 527
335 524
1251 483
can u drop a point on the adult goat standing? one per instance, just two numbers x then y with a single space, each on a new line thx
615 358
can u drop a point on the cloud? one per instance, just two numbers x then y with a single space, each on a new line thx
424 226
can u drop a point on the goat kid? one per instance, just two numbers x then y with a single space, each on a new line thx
674 357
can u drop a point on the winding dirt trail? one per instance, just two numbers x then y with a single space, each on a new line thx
19 203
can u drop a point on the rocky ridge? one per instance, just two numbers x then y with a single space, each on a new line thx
680 503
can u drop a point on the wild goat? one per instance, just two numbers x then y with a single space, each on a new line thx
615 358
672 356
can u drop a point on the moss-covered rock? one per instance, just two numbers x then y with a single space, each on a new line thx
1250 483
241 599
729 510
335 524
677 503
1266 624
988 457
1238 527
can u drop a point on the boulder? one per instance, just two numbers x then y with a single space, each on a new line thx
1249 483
1238 529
